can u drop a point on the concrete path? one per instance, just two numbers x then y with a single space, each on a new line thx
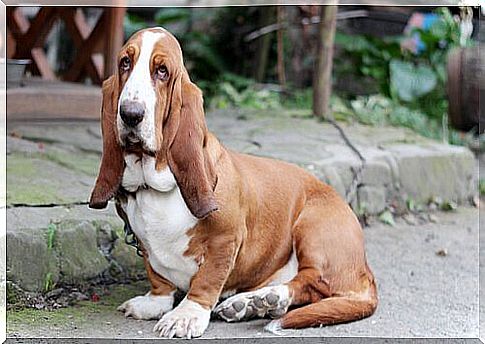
423 292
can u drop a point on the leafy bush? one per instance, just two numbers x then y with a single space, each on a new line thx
371 56
235 91
414 83
380 110
409 81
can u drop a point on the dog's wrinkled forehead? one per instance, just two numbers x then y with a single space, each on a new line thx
161 41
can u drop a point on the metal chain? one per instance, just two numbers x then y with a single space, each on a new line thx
130 239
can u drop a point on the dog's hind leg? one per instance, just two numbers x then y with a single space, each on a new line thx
333 275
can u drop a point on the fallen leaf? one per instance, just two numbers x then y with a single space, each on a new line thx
387 218
449 206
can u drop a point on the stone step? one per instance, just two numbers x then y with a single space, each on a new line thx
60 245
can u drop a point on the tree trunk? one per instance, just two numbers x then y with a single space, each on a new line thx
322 77
280 48
264 44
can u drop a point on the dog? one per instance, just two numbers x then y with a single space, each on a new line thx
260 234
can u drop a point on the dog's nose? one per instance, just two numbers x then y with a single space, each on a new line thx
131 112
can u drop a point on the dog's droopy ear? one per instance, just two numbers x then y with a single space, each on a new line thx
185 132
112 163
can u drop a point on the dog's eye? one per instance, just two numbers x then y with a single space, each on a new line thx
162 73
125 64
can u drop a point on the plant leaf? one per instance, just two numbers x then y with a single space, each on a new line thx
409 81
387 218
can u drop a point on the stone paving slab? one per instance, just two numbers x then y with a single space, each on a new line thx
400 163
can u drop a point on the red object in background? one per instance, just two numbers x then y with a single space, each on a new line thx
94 297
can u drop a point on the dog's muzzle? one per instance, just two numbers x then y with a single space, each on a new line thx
132 113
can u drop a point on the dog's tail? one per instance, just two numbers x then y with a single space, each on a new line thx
329 311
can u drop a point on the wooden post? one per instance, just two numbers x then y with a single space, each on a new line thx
11 44
114 38
280 47
264 44
322 77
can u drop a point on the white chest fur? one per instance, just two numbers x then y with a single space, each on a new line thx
160 219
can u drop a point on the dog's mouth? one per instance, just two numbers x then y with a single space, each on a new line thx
132 143
132 138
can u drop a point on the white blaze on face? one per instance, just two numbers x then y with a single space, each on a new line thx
140 88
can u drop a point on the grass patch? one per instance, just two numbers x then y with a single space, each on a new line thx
51 233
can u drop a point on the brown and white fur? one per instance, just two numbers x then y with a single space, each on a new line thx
215 223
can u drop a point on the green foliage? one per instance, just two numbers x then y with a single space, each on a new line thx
409 81
230 26
133 23
413 85
411 204
169 15
48 282
51 233
371 56
378 110
387 218
449 206
300 99
482 187
235 91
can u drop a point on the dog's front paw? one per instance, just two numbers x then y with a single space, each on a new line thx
187 320
147 307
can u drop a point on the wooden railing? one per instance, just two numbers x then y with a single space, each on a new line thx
96 46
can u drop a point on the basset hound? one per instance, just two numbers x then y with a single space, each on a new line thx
262 234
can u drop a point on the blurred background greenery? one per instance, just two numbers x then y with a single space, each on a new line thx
378 79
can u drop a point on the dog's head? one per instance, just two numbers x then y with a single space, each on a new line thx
151 106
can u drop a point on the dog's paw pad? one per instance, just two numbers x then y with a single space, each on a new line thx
272 301
238 306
